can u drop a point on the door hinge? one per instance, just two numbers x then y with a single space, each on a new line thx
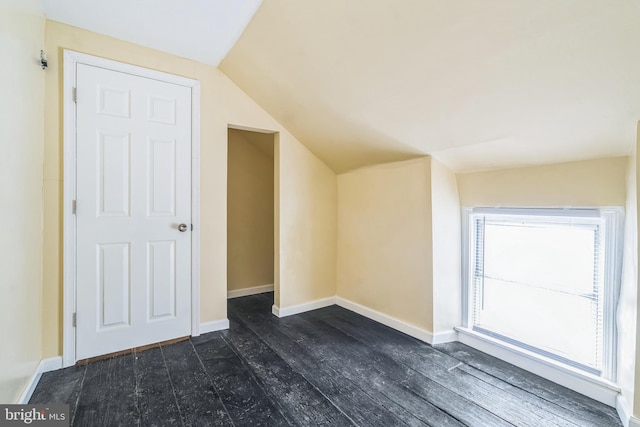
191 227
74 320
74 206
74 94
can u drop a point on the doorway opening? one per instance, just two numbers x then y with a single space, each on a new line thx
250 213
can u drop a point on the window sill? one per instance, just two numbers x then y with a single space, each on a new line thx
583 382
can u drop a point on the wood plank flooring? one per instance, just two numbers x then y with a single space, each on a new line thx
325 367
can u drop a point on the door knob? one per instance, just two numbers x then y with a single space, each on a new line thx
183 227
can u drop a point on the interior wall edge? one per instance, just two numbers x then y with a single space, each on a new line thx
22 84
624 410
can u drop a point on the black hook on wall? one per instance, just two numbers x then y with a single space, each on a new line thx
43 60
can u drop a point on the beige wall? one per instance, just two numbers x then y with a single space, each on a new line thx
599 182
305 193
249 210
399 242
307 197
384 240
21 115
445 225
626 316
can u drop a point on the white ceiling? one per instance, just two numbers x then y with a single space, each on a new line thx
202 30
478 84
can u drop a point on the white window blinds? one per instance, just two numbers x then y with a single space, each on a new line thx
537 279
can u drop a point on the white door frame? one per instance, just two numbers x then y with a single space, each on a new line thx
71 59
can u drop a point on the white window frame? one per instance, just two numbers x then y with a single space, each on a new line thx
613 223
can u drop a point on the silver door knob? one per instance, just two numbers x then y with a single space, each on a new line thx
183 227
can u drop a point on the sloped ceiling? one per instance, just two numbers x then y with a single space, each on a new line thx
477 84
202 30
263 142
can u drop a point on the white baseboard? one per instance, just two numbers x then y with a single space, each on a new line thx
387 320
51 364
275 310
581 382
45 365
216 325
301 308
445 337
249 291
414 331
624 410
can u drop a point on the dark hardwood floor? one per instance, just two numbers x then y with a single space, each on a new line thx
325 367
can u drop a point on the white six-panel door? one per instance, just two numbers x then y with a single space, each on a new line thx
133 192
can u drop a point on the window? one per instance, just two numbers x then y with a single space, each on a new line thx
546 280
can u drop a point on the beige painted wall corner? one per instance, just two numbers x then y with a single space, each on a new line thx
21 115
